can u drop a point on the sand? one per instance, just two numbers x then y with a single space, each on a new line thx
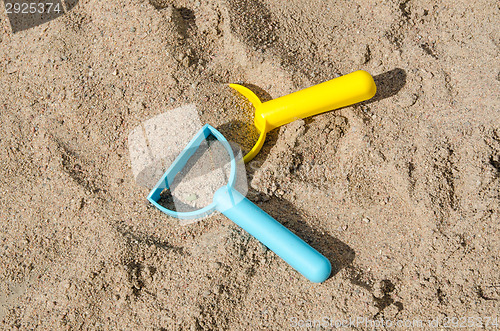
401 192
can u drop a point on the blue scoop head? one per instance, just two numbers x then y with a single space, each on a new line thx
174 173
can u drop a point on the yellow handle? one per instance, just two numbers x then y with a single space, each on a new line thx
336 93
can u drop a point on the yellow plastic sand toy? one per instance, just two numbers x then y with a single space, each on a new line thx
333 94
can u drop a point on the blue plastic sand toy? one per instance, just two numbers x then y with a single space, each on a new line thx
230 202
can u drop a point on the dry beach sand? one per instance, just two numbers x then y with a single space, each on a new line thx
401 192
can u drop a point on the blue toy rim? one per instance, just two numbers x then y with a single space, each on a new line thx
179 163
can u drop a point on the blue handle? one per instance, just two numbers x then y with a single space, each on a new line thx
296 252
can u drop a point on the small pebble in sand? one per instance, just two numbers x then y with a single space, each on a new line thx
11 69
366 219
180 56
215 265
191 197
